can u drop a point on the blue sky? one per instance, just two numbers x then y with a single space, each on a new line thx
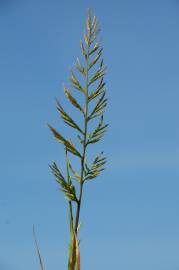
130 214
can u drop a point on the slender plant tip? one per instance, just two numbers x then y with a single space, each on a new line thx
87 80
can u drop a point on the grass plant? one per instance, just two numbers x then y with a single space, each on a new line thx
86 80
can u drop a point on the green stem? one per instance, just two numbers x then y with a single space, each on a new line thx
84 147
82 159
70 211
70 204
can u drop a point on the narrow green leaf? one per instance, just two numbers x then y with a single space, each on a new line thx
38 250
70 252
77 253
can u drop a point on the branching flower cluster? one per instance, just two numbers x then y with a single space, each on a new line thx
91 86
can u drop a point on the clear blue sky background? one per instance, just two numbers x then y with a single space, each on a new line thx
131 213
